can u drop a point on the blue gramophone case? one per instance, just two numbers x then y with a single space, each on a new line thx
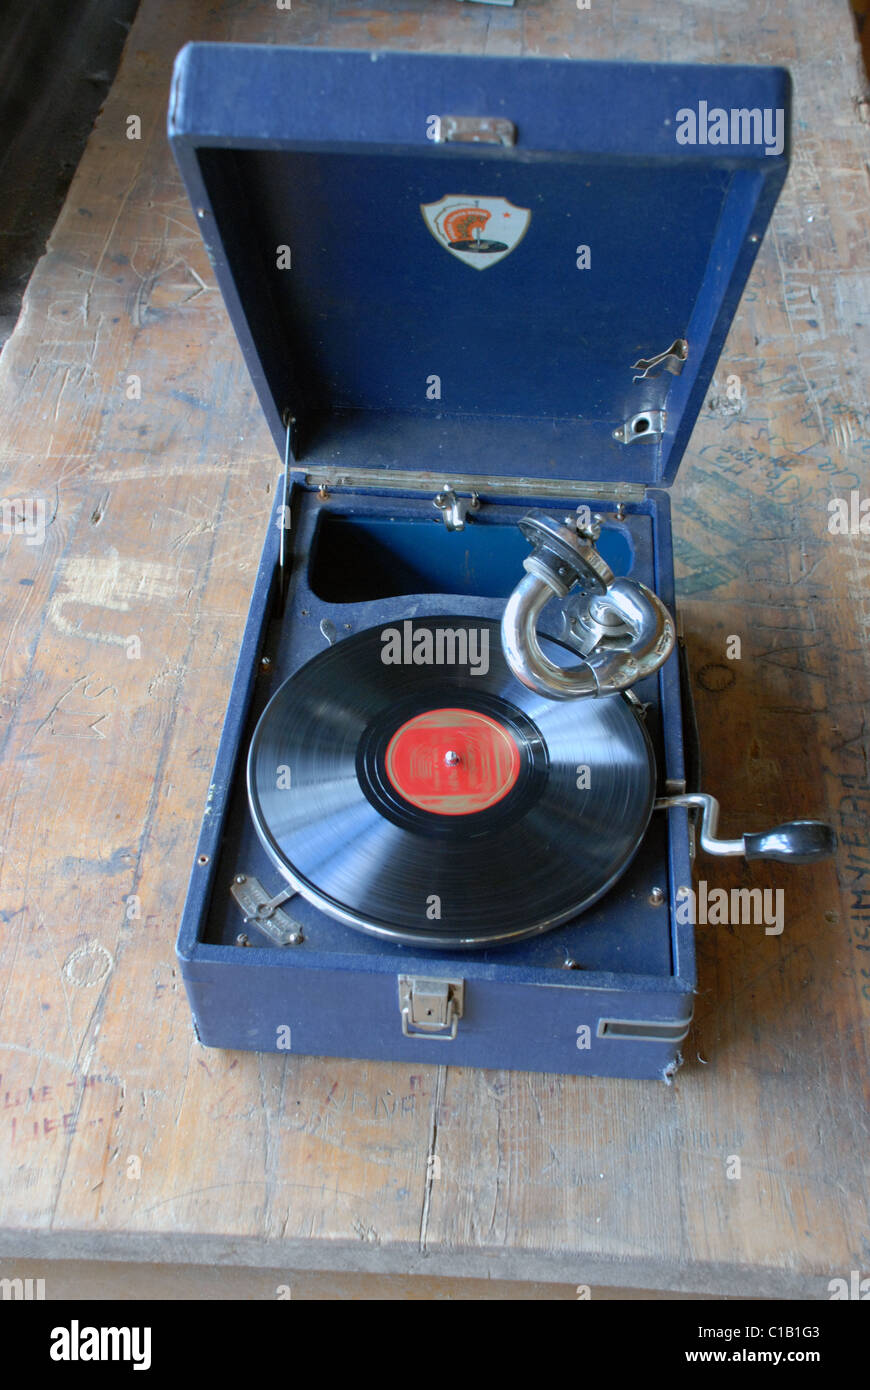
342 198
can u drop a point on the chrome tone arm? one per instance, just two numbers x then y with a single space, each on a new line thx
628 632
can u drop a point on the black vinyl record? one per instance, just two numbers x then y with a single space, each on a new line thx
406 783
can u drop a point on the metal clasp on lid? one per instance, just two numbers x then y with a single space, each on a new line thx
476 130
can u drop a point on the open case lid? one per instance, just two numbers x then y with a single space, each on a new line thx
455 264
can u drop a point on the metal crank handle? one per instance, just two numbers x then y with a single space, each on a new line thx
795 842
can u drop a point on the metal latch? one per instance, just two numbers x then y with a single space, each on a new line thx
430 1008
476 130
455 510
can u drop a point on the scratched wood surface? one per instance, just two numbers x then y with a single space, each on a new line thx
120 1136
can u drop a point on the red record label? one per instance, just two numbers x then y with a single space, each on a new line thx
452 762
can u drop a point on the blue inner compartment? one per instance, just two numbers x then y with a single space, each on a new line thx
361 558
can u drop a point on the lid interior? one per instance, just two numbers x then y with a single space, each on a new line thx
390 351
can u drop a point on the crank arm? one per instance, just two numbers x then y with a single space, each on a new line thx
795 842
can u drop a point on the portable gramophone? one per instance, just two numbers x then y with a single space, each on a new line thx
453 807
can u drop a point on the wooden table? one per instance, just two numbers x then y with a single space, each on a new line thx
128 413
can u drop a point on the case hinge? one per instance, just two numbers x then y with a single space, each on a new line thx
324 480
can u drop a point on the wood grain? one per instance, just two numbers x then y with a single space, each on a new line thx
122 1138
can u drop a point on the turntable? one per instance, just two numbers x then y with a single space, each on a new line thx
453 810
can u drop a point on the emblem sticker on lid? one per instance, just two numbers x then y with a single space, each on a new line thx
478 231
